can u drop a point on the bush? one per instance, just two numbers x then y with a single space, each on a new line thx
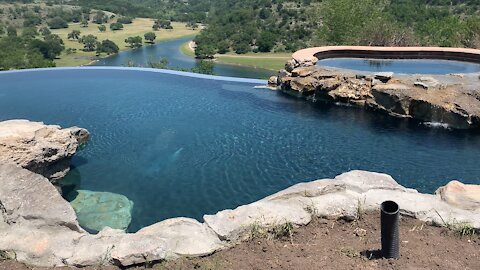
125 20
108 47
116 26
57 23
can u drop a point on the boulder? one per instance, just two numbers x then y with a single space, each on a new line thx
426 82
304 84
303 71
383 76
40 148
273 81
460 195
97 210
185 236
290 65
29 198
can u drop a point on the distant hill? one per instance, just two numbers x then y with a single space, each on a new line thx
286 25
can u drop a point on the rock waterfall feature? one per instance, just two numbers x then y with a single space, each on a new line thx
452 100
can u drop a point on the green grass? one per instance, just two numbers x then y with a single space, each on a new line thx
255 61
186 50
271 61
139 27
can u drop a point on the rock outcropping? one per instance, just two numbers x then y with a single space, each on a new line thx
38 227
453 100
40 148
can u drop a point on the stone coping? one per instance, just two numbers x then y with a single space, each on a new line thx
315 53
163 71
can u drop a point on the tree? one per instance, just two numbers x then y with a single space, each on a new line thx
108 47
204 51
57 23
162 24
241 47
89 43
223 47
29 32
266 41
150 37
125 20
75 34
11 31
204 67
116 26
162 64
84 23
102 28
45 31
134 42
192 25
100 17
50 48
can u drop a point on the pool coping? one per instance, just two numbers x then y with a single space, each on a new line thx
313 54
153 70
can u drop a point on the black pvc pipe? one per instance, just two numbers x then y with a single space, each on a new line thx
390 216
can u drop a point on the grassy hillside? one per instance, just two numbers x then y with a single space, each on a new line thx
139 27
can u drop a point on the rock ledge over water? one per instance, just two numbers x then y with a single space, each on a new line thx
40 148
453 100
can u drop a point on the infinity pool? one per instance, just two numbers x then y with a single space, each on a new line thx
185 146
404 66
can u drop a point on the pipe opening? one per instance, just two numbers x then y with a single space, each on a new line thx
390 207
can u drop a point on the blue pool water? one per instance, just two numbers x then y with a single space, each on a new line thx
405 66
182 146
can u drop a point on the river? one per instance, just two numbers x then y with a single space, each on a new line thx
178 60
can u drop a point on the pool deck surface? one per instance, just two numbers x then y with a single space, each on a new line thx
315 53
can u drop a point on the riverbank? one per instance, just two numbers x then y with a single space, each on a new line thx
270 61
138 27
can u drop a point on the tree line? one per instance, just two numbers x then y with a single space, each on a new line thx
286 26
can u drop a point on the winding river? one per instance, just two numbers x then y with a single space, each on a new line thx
178 60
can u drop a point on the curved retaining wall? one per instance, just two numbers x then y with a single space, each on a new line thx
317 53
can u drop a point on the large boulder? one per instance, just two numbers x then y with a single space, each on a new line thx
460 195
40 148
29 198
97 210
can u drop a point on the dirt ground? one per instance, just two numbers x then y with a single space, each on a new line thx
331 244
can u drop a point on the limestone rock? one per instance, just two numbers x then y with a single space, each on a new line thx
304 84
185 236
460 195
26 197
383 76
427 82
273 81
234 225
290 65
303 71
40 148
97 210
362 181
